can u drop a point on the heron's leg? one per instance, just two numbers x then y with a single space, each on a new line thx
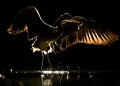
49 62
42 62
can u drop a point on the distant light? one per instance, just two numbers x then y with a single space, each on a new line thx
11 70
78 76
89 72
2 76
91 76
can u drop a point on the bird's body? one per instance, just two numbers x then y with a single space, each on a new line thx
68 30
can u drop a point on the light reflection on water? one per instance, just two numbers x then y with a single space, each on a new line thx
54 78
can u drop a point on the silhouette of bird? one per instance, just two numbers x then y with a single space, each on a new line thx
67 31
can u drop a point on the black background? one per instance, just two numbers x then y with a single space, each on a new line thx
104 12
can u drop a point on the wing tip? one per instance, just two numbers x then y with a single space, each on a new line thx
11 30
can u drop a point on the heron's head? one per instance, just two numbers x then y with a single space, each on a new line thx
62 17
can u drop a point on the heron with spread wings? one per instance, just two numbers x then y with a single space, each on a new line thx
68 30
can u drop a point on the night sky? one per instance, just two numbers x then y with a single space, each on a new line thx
103 12
106 13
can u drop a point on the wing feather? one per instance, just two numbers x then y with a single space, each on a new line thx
29 20
88 31
26 20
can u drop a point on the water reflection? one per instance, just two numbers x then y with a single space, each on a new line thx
55 78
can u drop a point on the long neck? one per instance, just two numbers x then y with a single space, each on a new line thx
43 20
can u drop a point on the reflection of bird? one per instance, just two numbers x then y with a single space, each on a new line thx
69 31
79 29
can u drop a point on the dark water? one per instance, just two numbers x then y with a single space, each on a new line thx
35 78
37 81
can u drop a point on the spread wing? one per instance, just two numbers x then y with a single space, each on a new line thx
29 20
81 30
